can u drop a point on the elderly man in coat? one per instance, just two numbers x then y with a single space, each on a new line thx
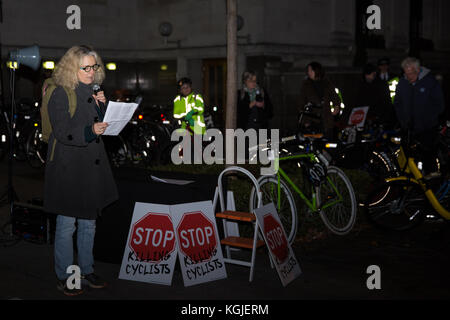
419 101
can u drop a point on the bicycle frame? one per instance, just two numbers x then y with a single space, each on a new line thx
313 203
410 168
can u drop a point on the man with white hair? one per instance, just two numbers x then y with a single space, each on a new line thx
419 101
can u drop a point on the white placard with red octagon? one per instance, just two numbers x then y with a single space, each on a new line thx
151 250
199 247
358 117
280 250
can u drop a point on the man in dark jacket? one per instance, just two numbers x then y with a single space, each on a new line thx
418 103
383 70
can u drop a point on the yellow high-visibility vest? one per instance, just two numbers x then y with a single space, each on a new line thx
183 105
393 87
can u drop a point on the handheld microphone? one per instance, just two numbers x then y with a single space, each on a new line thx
96 88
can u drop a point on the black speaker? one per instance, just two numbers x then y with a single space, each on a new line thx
136 185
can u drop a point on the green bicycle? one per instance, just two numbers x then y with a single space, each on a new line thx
332 195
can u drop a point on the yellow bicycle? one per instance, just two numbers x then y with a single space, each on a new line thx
402 202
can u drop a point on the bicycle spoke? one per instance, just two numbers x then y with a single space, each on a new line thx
400 209
384 210
284 204
337 202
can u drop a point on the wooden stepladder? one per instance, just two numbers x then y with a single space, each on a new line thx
240 217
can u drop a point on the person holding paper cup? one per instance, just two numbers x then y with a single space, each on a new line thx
78 178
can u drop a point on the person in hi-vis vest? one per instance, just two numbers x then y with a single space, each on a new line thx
188 108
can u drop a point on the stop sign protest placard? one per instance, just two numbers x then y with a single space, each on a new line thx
151 250
276 240
152 237
357 117
199 248
197 236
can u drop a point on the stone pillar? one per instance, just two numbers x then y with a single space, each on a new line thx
241 66
442 36
182 67
397 24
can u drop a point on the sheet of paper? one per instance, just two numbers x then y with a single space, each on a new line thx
118 114
171 181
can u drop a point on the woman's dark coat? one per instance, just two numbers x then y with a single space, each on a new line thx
78 178
261 116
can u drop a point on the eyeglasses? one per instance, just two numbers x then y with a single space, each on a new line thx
88 68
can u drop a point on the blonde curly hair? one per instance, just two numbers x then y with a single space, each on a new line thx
65 73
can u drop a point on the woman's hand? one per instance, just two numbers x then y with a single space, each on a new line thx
100 96
252 104
99 127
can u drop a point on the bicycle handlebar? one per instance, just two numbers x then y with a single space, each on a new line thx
303 137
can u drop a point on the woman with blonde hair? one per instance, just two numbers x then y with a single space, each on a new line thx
254 107
78 178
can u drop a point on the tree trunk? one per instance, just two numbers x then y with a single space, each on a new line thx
230 121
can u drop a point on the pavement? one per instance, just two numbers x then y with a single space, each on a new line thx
412 266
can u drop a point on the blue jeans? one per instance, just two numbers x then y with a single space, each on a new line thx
65 228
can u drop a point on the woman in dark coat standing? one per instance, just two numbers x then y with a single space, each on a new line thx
319 91
78 178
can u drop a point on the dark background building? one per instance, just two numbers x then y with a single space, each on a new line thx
276 38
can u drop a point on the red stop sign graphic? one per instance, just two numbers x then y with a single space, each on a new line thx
357 117
276 238
153 238
197 237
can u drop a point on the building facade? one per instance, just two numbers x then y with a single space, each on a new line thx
276 38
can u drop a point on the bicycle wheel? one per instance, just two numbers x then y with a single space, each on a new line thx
337 202
285 204
379 167
401 208
117 150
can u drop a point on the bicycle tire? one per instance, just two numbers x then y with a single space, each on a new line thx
287 211
340 217
402 208
379 167
117 150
